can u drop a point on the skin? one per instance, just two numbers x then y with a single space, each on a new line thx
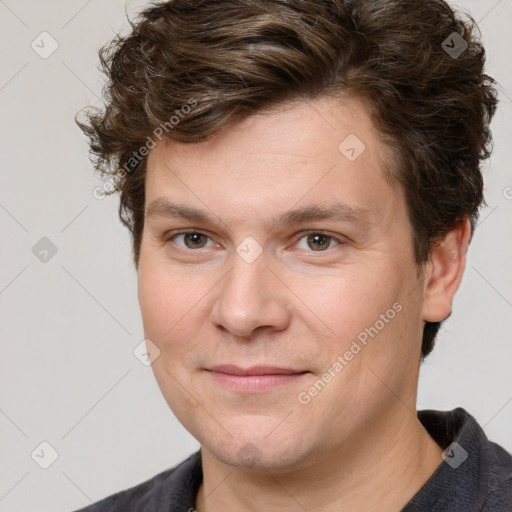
357 445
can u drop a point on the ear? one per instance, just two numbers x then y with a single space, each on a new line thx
444 272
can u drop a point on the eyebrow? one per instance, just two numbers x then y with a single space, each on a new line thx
162 208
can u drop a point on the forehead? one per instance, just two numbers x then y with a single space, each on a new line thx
292 132
298 154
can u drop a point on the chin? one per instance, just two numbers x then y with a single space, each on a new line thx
257 445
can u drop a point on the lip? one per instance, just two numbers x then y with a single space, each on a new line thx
232 369
257 379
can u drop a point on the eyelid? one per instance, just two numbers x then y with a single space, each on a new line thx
338 238
167 237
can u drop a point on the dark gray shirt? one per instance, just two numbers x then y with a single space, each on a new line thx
476 475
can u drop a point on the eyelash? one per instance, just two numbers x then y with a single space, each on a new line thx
169 237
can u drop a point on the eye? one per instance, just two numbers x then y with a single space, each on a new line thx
192 239
319 241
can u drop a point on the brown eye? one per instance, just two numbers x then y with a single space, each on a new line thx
194 240
191 240
318 241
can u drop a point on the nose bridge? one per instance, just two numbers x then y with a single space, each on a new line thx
249 296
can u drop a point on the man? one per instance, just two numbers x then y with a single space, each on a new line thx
301 180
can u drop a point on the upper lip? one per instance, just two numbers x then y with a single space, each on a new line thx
253 370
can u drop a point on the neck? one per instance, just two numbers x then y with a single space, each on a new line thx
381 468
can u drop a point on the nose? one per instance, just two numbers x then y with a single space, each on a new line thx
251 297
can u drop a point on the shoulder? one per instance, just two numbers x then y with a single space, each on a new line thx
499 474
475 475
163 490
500 498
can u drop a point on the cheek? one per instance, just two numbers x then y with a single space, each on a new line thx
349 301
174 308
168 304
155 298
165 296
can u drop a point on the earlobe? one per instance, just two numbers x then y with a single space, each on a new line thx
444 272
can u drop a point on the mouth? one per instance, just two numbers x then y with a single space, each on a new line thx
256 379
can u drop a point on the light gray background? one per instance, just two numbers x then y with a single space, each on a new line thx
69 326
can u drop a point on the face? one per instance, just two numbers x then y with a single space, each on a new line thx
263 278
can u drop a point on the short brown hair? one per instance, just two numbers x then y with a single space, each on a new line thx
226 59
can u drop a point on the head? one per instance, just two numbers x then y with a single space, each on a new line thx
249 111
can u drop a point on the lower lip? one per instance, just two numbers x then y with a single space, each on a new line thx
254 383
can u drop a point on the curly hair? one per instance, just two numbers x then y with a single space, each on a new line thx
189 67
